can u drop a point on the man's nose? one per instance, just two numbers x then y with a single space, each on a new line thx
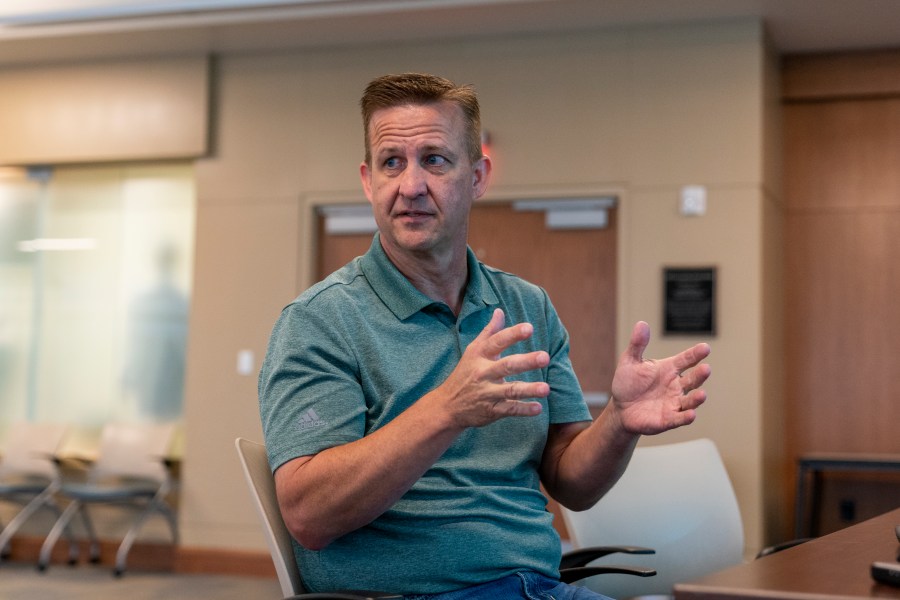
412 182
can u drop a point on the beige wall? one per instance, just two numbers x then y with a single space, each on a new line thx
104 111
640 112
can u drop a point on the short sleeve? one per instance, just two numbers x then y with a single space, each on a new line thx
310 397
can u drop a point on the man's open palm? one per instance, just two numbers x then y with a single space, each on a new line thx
652 396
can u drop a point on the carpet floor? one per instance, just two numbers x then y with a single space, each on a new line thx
20 581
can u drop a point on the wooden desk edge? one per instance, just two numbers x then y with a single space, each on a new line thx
689 591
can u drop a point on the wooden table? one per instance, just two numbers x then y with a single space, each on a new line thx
834 566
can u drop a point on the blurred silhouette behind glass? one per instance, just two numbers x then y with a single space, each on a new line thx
154 367
93 294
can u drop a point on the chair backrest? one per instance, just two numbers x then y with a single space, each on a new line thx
134 450
675 498
29 448
258 473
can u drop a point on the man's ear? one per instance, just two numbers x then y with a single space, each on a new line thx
365 176
482 176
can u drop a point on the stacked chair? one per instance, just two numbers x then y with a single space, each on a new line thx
29 477
130 469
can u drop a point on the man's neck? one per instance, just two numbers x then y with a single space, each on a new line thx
441 278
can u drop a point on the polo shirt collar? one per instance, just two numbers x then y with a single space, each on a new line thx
402 297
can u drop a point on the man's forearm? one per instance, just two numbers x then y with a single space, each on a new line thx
581 464
343 488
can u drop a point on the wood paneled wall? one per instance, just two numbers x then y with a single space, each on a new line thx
842 264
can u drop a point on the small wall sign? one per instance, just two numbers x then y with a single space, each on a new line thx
689 301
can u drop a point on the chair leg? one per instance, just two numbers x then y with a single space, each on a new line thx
23 515
62 524
74 551
128 540
93 541
42 500
131 536
5 548
73 543
13 526
171 519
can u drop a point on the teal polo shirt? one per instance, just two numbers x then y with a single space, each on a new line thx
360 347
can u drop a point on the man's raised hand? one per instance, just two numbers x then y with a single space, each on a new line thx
477 392
652 396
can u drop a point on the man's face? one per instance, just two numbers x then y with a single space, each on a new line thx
421 182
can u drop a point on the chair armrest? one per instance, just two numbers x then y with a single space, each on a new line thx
574 574
582 556
78 463
71 468
782 546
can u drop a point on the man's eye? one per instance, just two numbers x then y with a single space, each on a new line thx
392 163
435 160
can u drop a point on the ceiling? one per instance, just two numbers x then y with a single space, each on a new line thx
56 30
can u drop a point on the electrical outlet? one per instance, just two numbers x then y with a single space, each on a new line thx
847 510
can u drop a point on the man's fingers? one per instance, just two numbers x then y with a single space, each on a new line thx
683 418
498 319
691 357
495 325
518 390
695 377
640 339
516 408
692 400
521 363
496 338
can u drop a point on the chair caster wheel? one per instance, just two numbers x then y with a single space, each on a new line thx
42 568
118 572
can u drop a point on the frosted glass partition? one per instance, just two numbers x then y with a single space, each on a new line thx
19 198
95 282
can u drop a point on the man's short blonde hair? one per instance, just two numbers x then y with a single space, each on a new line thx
389 91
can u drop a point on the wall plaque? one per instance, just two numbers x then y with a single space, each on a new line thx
689 302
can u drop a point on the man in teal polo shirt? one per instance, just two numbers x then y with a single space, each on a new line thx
408 426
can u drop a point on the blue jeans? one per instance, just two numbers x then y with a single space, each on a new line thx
519 586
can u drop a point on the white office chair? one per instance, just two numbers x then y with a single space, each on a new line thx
28 476
676 498
130 470
258 473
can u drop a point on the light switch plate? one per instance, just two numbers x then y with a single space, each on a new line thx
693 201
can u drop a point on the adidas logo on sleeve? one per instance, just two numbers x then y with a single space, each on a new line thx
309 419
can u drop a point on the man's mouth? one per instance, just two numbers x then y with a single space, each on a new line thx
414 214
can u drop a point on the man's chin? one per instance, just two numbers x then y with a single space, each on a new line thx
420 246
415 240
